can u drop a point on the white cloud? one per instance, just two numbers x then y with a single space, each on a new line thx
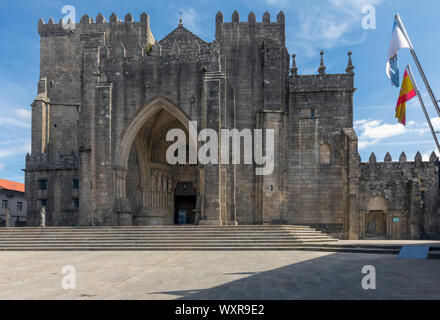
24 114
16 118
15 124
13 112
325 24
354 4
14 149
372 132
279 3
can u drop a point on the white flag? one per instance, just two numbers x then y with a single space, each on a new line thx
398 41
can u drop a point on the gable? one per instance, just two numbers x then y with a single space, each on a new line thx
182 41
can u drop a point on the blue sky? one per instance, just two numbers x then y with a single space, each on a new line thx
332 25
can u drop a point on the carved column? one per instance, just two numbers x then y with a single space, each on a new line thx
153 189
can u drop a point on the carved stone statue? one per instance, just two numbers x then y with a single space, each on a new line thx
43 217
8 217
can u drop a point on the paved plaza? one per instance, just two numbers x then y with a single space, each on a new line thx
215 275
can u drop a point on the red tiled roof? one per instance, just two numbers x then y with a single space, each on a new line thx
11 185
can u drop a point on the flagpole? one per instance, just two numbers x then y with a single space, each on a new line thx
416 60
416 89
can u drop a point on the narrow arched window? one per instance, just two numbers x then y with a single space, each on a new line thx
325 154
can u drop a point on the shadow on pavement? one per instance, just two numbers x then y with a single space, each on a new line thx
335 276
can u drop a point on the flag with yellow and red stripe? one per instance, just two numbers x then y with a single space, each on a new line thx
407 92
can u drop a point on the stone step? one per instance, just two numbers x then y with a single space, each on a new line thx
204 235
45 231
168 236
369 246
207 236
433 254
318 247
160 240
199 246
135 229
159 237
145 246
203 248
171 238
160 232
153 241
174 227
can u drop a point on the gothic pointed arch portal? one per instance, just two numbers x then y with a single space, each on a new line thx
144 181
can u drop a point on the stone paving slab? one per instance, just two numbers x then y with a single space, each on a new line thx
215 275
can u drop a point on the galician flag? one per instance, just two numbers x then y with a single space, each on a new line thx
398 41
407 92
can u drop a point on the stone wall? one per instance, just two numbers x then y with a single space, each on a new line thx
256 62
408 193
320 109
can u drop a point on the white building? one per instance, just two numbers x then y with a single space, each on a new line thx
12 197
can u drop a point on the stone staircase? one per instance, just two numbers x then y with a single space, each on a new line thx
258 237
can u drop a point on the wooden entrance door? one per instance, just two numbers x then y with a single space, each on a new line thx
375 225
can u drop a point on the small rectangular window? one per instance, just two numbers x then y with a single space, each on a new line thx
4 204
43 184
309 113
75 183
76 202
19 206
43 202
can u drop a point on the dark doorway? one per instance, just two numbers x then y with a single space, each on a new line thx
184 207
185 201
375 225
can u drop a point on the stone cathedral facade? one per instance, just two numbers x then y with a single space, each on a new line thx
109 92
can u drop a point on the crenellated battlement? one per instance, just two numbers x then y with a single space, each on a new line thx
418 159
63 45
402 170
280 20
400 183
257 30
88 24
